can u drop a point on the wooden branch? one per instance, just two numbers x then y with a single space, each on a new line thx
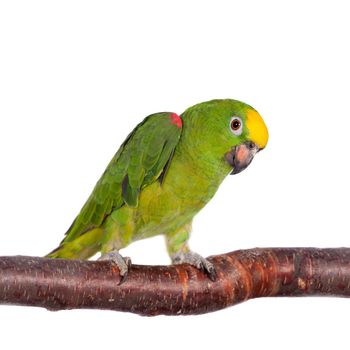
58 284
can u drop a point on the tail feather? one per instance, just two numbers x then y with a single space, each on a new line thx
83 247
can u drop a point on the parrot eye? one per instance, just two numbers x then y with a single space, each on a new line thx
236 125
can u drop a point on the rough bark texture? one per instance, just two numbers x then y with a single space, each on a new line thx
58 284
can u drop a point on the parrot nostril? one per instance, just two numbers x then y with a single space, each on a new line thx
251 145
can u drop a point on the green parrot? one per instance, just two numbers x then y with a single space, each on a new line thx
165 172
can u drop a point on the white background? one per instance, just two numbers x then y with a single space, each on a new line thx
77 76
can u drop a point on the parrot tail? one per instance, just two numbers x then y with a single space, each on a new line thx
82 247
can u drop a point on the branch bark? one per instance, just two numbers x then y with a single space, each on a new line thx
58 284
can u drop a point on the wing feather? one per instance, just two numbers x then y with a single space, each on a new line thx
142 159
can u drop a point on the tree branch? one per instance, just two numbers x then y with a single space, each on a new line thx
58 284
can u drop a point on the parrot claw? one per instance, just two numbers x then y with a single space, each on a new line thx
197 261
123 263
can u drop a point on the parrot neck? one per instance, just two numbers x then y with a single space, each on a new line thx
203 165
202 149
198 170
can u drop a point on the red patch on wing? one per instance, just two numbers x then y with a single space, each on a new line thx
176 120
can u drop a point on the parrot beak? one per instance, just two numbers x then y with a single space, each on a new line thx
241 156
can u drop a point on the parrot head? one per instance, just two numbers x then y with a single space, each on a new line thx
227 131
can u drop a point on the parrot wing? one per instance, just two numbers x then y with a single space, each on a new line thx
142 159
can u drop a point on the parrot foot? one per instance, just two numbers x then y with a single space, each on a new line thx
123 263
195 260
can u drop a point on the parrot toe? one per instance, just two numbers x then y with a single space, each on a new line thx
123 263
197 261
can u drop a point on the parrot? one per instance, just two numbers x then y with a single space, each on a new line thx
168 168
